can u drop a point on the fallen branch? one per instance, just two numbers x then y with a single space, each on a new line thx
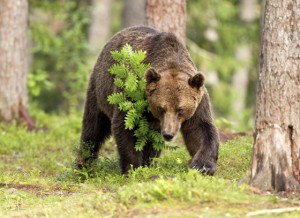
279 210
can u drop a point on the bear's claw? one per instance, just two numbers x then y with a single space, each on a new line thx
207 168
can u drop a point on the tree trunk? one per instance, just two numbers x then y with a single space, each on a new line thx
247 10
240 78
134 13
14 61
276 152
99 29
168 16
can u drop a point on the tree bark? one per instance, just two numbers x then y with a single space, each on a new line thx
14 61
99 29
168 16
134 13
276 152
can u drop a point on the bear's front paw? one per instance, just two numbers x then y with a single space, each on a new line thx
87 163
208 167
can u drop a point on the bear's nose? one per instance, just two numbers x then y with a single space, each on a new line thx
167 136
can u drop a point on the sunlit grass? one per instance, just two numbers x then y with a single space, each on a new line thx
38 179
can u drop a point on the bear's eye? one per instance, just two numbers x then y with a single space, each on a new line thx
180 112
161 110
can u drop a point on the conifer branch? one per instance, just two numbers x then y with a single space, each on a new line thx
129 78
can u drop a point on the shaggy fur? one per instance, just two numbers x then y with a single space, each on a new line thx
177 98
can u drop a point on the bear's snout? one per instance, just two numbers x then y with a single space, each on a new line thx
167 136
169 126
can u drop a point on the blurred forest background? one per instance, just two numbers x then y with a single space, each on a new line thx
67 36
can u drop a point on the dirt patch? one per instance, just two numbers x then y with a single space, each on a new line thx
157 211
227 136
37 190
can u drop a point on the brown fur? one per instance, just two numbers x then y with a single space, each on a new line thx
177 97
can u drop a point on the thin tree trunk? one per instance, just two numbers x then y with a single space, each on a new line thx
240 78
168 16
247 10
276 152
134 13
14 61
99 29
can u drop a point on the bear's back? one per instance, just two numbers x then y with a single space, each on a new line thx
163 50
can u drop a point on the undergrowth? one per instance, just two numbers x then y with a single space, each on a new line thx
38 179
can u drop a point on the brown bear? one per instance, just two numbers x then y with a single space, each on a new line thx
176 94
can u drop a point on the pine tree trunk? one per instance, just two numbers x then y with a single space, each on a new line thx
168 16
14 61
276 152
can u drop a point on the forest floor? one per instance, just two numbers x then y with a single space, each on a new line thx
37 180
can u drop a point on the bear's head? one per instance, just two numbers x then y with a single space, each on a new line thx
173 98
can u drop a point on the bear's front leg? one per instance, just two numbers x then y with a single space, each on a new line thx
96 128
129 157
202 143
202 140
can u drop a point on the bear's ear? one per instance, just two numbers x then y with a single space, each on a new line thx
152 76
196 81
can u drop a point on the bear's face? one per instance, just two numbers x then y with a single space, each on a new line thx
173 98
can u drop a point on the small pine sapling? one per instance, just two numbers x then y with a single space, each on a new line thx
128 75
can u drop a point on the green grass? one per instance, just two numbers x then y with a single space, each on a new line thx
37 179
